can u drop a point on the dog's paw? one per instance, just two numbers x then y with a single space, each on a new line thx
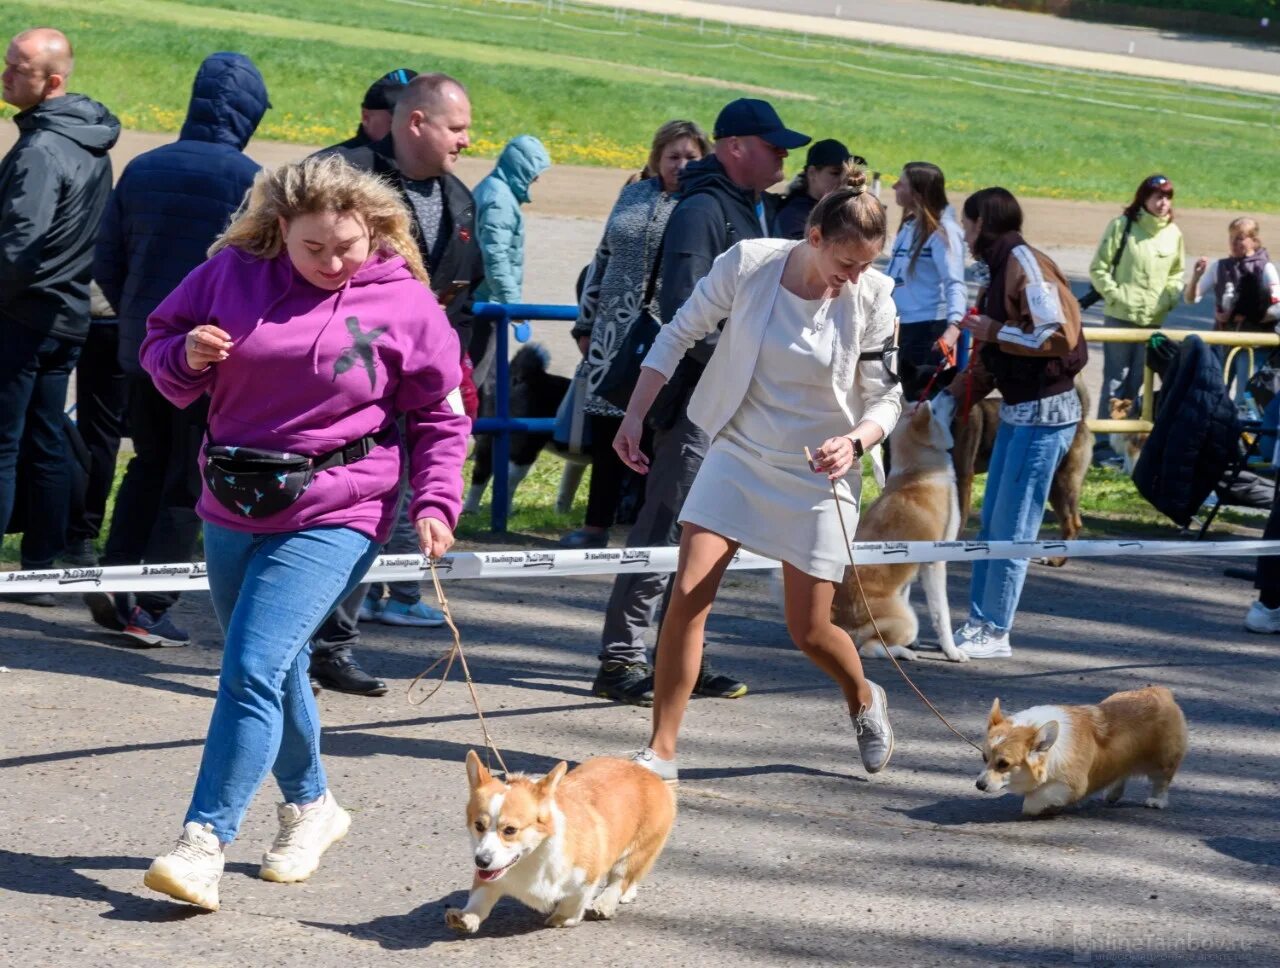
462 921
954 654
903 652
559 921
1156 803
629 894
1055 562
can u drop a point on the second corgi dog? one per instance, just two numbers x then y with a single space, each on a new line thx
1058 755
1130 445
572 841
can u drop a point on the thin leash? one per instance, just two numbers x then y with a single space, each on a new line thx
863 595
455 653
949 357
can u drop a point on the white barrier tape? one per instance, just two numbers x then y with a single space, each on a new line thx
611 561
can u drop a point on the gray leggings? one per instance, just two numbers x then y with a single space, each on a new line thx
1122 365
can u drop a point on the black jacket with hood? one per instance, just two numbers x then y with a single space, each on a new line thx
459 267
54 183
173 201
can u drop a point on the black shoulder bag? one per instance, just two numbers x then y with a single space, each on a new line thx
1092 296
623 370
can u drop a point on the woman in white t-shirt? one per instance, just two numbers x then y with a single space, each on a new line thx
1245 287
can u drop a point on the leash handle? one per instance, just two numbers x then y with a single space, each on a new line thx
863 595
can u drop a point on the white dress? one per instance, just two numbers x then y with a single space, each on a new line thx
755 486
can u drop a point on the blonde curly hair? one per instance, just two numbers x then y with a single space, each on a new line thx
324 184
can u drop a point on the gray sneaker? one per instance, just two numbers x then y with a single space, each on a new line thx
666 769
875 735
969 631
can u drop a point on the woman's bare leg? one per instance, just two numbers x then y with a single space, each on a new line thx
704 556
807 602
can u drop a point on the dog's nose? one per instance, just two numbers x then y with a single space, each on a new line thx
483 859
982 783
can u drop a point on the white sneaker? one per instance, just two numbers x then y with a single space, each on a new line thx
987 644
303 838
668 770
1262 619
191 871
969 631
875 734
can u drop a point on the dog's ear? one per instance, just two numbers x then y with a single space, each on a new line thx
1046 736
996 717
547 785
476 771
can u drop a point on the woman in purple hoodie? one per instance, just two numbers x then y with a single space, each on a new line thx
311 329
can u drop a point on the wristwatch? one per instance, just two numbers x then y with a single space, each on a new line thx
857 448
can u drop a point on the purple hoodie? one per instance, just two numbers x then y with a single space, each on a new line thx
311 370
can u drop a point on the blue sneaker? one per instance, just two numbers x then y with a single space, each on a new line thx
370 608
418 615
157 631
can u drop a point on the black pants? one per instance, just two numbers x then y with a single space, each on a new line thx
917 342
340 630
607 473
101 398
155 514
1268 581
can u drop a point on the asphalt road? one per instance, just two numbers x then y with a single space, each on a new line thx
1033 28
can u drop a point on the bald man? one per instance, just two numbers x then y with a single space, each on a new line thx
54 183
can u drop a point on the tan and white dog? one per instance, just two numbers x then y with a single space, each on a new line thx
918 503
572 841
1054 756
1127 445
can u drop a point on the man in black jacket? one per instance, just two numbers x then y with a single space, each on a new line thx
54 183
429 129
377 106
722 202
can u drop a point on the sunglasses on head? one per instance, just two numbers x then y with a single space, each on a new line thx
1160 183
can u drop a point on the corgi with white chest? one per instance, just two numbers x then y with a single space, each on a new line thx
572 841
1054 756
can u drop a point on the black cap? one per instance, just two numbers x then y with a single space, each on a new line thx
827 153
382 93
748 116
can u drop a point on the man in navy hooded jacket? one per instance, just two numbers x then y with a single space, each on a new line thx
168 207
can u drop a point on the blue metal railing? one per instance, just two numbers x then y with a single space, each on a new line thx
502 425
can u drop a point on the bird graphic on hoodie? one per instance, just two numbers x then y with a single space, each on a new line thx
360 350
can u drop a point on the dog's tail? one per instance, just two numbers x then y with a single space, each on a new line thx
532 361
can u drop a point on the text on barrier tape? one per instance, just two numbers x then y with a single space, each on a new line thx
612 561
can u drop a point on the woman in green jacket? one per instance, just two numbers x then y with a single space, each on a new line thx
1138 290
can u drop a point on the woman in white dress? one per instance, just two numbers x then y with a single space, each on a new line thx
800 362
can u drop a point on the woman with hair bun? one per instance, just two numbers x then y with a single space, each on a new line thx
799 362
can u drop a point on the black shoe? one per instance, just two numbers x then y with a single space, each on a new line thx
625 682
38 599
341 673
717 685
80 554
110 611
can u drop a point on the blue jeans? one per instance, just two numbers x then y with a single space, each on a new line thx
35 371
270 592
1022 466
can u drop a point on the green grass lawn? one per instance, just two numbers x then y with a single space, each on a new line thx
595 87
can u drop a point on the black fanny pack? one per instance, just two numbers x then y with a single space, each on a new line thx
256 483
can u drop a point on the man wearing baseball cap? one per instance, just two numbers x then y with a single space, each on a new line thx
375 110
721 203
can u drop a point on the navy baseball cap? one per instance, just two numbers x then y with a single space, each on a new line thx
382 93
828 153
749 116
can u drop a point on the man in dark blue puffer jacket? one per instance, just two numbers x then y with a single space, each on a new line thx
168 207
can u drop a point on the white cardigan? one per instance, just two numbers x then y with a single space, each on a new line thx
740 288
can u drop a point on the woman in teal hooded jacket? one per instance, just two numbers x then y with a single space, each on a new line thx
500 231
1141 287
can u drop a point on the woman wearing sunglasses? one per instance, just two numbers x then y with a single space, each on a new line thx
1137 269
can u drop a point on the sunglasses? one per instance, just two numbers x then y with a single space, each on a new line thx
1160 183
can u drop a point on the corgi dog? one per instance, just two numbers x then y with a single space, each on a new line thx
1054 756
918 503
1128 446
571 842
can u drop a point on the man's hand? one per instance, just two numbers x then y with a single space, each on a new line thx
434 537
205 345
584 345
